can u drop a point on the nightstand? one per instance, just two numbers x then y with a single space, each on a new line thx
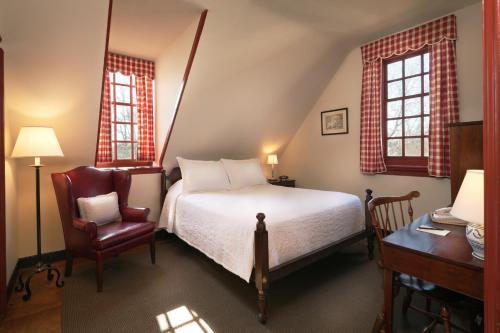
286 182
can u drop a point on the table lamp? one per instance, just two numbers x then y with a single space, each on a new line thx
469 206
273 160
37 142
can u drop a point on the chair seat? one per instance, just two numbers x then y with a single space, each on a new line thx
114 233
430 289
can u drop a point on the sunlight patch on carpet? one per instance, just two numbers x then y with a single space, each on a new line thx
182 320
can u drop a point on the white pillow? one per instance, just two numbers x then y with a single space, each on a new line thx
100 209
203 176
244 173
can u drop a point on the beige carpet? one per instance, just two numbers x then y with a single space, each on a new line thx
187 292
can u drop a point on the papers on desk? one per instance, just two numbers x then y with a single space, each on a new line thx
441 232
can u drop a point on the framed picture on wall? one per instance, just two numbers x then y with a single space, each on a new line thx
334 122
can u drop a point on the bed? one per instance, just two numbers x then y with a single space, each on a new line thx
300 227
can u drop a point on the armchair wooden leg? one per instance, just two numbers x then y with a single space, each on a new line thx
69 265
99 273
152 251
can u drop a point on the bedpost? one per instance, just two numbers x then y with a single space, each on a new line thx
261 266
370 235
163 187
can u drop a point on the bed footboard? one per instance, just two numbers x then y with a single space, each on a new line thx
261 266
370 233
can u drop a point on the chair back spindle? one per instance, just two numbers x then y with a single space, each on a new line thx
388 214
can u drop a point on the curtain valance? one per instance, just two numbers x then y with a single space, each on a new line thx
410 40
130 65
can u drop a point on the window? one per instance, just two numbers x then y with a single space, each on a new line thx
124 131
126 128
406 110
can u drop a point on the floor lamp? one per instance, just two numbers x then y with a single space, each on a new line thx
37 142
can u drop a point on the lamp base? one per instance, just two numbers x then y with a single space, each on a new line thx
40 267
475 237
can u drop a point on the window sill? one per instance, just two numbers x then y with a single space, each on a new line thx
135 170
405 170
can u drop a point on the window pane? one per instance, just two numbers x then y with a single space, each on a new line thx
124 151
136 132
120 78
426 125
134 120
122 132
123 113
395 70
426 83
110 76
412 126
412 66
135 151
412 147
413 86
426 147
394 147
111 93
426 62
394 128
395 89
123 94
134 95
427 106
394 109
412 106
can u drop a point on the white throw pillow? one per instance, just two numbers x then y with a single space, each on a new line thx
244 173
100 209
203 176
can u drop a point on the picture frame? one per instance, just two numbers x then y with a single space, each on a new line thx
335 122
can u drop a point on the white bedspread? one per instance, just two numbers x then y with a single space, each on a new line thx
222 224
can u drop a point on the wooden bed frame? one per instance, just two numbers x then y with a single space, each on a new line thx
262 275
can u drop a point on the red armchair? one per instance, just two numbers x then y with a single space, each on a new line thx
87 239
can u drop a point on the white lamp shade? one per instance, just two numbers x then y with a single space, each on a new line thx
469 203
272 159
36 142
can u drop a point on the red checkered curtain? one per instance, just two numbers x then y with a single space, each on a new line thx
440 35
146 147
144 71
372 158
104 152
444 106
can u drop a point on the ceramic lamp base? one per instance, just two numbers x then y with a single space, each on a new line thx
475 236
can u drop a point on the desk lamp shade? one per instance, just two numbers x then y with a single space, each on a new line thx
469 206
36 142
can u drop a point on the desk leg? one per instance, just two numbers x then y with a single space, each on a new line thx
388 299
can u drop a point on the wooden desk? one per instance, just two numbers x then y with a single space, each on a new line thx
445 261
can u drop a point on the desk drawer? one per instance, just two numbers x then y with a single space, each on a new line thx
461 279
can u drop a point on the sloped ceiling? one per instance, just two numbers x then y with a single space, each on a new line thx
145 28
262 64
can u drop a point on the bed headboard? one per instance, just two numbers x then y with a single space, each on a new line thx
173 176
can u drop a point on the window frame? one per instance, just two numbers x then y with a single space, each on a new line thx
404 165
133 141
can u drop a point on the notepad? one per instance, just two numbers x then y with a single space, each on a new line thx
435 232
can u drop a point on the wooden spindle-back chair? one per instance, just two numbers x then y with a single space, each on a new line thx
389 214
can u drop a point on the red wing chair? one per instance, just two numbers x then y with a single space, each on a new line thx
86 238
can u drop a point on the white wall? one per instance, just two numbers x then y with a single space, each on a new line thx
332 162
11 236
145 192
170 67
54 52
